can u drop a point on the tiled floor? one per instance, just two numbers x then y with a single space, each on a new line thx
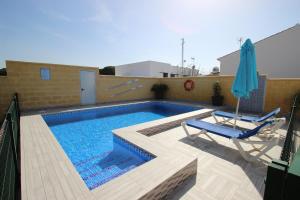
222 173
47 172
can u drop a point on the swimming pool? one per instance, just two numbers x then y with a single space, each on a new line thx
97 154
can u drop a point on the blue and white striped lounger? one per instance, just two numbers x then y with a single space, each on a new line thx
238 136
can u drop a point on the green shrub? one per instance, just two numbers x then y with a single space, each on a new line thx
159 90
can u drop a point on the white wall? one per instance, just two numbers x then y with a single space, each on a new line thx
157 69
277 56
149 69
133 69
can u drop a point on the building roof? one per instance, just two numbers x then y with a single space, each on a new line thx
288 29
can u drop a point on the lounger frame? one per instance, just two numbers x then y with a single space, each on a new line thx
267 138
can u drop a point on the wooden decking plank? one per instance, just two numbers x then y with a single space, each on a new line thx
74 180
33 172
50 186
53 179
23 171
26 160
58 178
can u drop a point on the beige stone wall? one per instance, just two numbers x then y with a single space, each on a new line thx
280 92
64 88
24 78
114 89
5 95
202 91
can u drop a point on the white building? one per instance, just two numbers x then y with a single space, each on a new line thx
153 69
277 56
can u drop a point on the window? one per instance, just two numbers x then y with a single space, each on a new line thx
45 73
165 74
173 75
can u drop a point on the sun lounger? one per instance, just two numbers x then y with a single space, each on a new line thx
238 136
227 117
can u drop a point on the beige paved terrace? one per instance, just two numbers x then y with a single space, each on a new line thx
47 172
222 173
209 171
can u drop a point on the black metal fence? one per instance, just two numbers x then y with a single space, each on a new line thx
10 186
283 176
289 147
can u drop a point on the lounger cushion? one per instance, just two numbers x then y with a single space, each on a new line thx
271 114
215 128
224 131
248 118
232 115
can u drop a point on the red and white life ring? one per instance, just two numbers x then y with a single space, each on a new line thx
189 85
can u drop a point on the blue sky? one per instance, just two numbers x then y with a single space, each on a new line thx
109 32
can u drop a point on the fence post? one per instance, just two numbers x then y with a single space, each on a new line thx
14 150
10 126
16 101
16 98
275 180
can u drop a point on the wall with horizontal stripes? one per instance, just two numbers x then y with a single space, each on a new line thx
63 89
203 89
280 93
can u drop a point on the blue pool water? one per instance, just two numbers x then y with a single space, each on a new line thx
98 155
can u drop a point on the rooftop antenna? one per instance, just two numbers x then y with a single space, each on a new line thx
240 40
193 60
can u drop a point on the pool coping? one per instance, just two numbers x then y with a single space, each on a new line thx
152 180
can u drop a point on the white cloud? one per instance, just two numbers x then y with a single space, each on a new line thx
55 15
63 18
102 14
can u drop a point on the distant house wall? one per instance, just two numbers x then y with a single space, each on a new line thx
151 69
277 56
157 69
145 69
63 89
134 69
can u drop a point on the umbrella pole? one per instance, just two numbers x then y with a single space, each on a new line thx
236 112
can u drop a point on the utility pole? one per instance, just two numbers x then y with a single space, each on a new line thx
182 55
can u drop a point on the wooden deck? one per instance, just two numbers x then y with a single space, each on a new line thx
47 173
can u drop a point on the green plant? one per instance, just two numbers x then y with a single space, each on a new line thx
217 89
3 72
159 90
217 99
109 70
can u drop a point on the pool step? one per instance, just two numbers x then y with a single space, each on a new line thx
98 170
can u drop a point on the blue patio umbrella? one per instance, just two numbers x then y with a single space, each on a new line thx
246 76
